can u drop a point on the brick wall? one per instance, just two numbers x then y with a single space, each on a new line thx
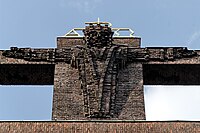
129 93
73 41
100 127
133 42
67 41
67 95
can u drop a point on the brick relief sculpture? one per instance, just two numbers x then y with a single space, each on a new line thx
99 79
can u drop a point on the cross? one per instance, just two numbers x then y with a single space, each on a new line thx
98 76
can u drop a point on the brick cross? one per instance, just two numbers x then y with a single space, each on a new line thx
98 76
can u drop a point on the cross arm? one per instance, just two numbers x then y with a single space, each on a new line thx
49 55
158 53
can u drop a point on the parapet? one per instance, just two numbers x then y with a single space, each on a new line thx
120 36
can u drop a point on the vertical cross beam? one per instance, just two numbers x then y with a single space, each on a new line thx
130 94
67 95
68 98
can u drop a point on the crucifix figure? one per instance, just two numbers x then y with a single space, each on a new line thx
100 75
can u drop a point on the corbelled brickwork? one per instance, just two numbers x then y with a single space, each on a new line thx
100 127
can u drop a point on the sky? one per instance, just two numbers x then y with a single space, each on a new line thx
36 23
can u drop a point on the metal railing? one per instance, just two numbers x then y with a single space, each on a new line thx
117 32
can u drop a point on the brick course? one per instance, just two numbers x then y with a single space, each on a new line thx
100 127
73 41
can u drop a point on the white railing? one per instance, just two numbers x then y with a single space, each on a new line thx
76 32
118 30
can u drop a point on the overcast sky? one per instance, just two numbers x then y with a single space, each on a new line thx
36 23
